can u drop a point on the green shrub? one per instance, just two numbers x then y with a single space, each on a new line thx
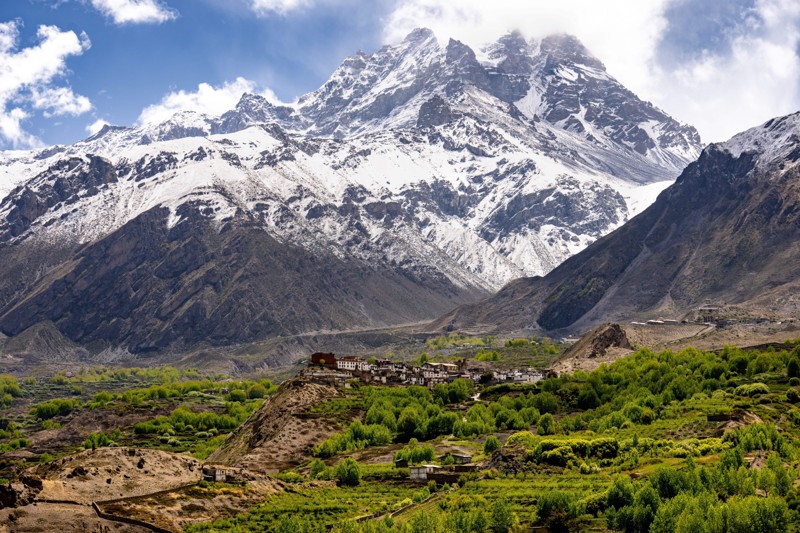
57 407
491 444
290 477
525 439
348 473
236 395
487 355
560 456
100 440
546 425
256 391
102 398
751 389
517 343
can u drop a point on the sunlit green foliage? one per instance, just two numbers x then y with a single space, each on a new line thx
457 339
57 407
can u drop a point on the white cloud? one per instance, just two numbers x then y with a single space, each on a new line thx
11 129
60 101
760 78
26 76
96 126
282 7
207 99
135 11
718 94
621 33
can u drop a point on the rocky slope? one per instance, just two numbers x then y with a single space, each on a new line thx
418 178
727 232
283 432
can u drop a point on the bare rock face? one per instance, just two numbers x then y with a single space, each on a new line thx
64 183
612 336
21 493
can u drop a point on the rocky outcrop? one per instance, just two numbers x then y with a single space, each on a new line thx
282 432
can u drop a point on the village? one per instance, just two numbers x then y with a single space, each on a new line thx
339 371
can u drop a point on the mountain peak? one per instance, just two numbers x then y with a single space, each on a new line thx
419 35
458 51
773 142
564 48
250 101
514 41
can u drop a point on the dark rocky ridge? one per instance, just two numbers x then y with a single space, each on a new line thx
151 288
65 182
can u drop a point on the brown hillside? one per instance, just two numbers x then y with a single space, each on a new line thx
282 432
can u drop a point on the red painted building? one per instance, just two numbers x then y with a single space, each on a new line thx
325 359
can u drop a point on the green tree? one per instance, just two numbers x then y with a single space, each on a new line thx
491 444
545 402
793 368
237 395
410 423
588 399
620 493
501 518
645 507
424 523
348 473
546 425
257 391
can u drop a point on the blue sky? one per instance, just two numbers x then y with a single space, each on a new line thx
68 65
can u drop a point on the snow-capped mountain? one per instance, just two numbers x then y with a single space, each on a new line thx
428 174
727 231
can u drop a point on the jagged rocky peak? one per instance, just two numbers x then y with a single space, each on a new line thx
563 49
105 130
775 141
512 53
420 35
253 109
250 103
181 125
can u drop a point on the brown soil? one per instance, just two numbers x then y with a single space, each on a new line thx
48 517
78 426
175 509
108 473
282 433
